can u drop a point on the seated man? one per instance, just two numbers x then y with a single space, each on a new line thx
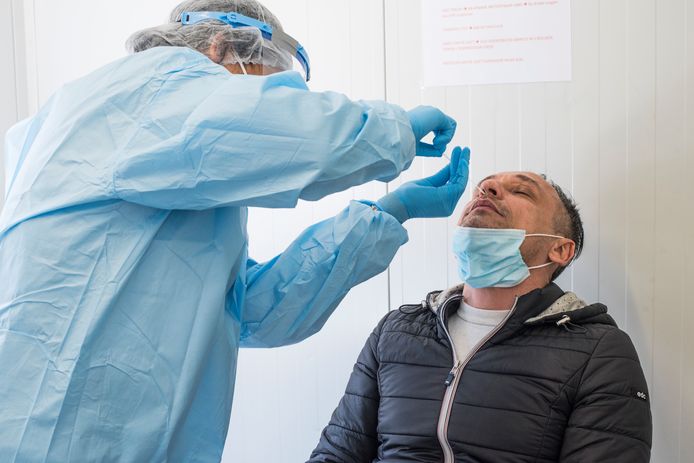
504 368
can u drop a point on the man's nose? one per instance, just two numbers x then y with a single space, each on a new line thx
490 188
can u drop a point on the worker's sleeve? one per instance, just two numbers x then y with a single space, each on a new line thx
611 420
257 141
351 435
290 297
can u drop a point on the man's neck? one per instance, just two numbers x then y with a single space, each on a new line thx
500 298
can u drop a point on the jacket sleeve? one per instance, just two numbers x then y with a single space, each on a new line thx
351 435
290 297
213 141
611 419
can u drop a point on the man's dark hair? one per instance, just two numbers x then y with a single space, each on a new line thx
569 224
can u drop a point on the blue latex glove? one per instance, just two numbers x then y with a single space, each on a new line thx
425 119
434 196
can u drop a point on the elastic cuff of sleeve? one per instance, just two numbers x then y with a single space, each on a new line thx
393 207
371 204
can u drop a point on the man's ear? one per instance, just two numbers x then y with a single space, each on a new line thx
217 49
562 251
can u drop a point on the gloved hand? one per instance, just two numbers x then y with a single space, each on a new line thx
425 119
434 196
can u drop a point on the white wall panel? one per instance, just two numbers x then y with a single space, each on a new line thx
9 113
686 362
585 115
533 126
612 168
668 391
559 147
74 37
641 161
507 130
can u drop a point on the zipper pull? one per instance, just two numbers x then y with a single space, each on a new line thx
451 374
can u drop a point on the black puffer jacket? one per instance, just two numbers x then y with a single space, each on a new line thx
558 381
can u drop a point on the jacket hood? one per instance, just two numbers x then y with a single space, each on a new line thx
543 305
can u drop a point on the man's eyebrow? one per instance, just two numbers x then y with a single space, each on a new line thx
525 178
521 177
485 178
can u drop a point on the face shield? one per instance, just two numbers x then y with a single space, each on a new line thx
276 41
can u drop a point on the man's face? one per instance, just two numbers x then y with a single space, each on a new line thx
520 200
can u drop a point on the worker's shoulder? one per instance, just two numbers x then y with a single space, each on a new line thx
144 73
169 60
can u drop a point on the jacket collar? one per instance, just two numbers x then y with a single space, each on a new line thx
533 305
543 305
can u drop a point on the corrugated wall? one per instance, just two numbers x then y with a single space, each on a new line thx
9 108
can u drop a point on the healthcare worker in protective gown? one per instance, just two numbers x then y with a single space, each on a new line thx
126 284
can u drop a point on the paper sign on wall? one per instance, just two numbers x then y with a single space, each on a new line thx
469 42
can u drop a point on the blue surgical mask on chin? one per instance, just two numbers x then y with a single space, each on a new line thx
491 257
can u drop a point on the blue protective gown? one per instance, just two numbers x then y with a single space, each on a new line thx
126 287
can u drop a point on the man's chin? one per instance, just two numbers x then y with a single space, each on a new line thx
476 221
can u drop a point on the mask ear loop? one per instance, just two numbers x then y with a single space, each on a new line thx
545 235
540 266
238 60
548 263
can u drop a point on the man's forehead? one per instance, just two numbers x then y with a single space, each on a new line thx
530 177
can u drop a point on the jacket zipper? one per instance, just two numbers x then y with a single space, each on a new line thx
453 379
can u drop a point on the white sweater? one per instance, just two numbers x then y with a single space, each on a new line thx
468 325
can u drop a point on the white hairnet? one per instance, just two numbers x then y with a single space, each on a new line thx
243 45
